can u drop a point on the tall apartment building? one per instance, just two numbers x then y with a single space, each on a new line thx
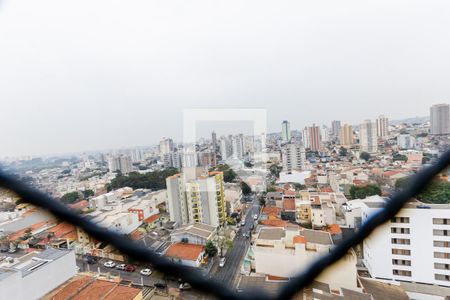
225 148
120 163
305 138
285 131
314 138
382 127
136 155
196 196
440 119
335 128
368 136
214 142
293 157
237 143
406 141
172 160
166 146
324 134
414 246
346 135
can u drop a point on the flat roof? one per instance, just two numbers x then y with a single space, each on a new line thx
317 237
271 233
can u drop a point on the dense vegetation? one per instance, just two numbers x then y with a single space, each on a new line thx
152 180
73 197
361 192
437 192
228 173
365 155
245 188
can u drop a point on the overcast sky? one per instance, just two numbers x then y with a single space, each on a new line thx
85 75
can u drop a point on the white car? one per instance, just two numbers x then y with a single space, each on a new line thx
109 264
255 217
222 262
121 267
243 223
146 272
185 286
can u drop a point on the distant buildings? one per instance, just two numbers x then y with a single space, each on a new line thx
120 163
238 146
285 131
346 135
214 142
382 127
172 160
166 146
225 148
196 196
312 138
335 128
368 136
293 157
440 119
406 141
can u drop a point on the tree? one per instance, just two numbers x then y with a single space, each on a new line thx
245 188
361 192
152 180
70 198
228 174
399 157
88 193
343 151
262 201
275 170
437 192
364 155
210 248
299 186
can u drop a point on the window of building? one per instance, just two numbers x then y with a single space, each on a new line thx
401 251
400 220
441 255
440 221
442 277
441 232
400 230
400 241
401 262
442 266
401 273
445 244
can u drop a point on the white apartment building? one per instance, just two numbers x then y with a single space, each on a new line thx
368 136
413 247
406 141
382 127
238 146
286 252
293 157
196 196
172 160
166 146
120 163
440 119
225 148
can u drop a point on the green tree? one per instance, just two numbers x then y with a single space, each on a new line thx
70 198
88 193
210 248
365 155
343 151
152 180
299 186
399 157
361 192
245 188
437 192
275 170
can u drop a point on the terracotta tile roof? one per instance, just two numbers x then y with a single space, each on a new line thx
136 235
289 204
315 200
79 205
273 223
298 239
123 293
334 229
272 277
14 236
72 288
289 193
359 182
95 291
271 210
62 230
152 219
185 251
326 189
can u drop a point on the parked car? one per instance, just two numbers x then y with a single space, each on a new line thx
130 268
121 267
222 262
12 250
9 259
109 264
146 272
255 217
91 260
185 286
243 223
160 285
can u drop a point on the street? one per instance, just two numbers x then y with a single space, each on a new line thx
228 273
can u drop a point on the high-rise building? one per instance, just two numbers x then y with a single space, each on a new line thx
196 196
346 135
120 163
285 131
412 247
207 159
293 157
382 127
225 148
368 136
136 155
305 138
314 138
214 142
406 141
335 128
166 146
172 160
238 146
440 119
325 133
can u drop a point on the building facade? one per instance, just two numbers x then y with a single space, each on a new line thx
440 119
368 136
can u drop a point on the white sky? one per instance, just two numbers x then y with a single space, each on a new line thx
86 75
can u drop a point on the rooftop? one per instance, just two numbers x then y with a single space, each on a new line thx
185 251
272 233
